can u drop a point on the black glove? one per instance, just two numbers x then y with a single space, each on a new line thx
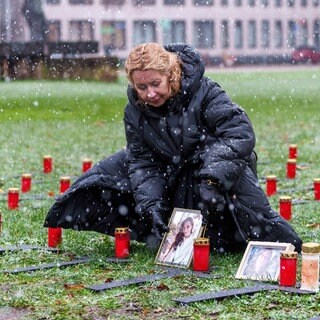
212 197
158 226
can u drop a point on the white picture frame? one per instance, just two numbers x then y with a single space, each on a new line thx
176 249
261 260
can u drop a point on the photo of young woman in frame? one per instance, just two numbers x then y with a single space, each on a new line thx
176 248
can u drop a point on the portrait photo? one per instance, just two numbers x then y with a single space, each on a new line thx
176 248
261 260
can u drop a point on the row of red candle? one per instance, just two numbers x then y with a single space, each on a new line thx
271 186
13 193
48 164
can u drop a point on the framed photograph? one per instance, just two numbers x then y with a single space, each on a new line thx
176 248
261 260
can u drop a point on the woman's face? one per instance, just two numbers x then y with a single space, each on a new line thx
152 86
187 229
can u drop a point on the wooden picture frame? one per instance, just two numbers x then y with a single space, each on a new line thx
176 250
261 260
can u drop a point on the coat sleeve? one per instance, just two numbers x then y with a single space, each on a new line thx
147 173
230 137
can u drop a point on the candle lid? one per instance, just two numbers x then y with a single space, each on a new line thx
121 230
289 254
285 198
316 180
293 145
201 241
47 157
14 190
65 178
311 247
292 161
26 175
86 160
271 177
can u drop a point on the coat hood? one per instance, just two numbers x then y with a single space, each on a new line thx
192 73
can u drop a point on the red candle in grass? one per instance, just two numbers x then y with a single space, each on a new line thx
293 151
86 164
13 198
285 207
47 164
54 237
201 254
271 185
26 182
288 268
64 184
316 188
122 242
291 168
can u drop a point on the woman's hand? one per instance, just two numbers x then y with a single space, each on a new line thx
212 197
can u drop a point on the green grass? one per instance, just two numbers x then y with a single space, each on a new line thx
74 120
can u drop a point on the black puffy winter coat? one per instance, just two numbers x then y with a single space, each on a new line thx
199 134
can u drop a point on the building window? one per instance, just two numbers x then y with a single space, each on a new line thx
53 1
291 3
302 32
203 2
225 40
316 34
264 3
252 3
53 30
265 33
81 30
304 3
174 2
203 34
144 31
278 38
224 3
252 34
238 34
278 3
291 34
81 1
141 2
173 31
315 3
113 36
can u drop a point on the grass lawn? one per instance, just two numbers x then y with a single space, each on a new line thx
74 120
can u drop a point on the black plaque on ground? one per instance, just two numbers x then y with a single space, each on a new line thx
117 260
219 295
169 273
301 201
295 290
25 247
44 266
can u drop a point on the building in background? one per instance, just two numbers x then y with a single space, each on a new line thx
250 30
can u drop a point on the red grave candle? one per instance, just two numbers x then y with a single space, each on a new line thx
47 164
26 182
291 168
64 184
13 198
288 268
293 151
285 207
201 254
122 242
54 237
86 164
271 185
316 188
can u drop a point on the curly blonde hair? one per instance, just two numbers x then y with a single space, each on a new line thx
153 56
